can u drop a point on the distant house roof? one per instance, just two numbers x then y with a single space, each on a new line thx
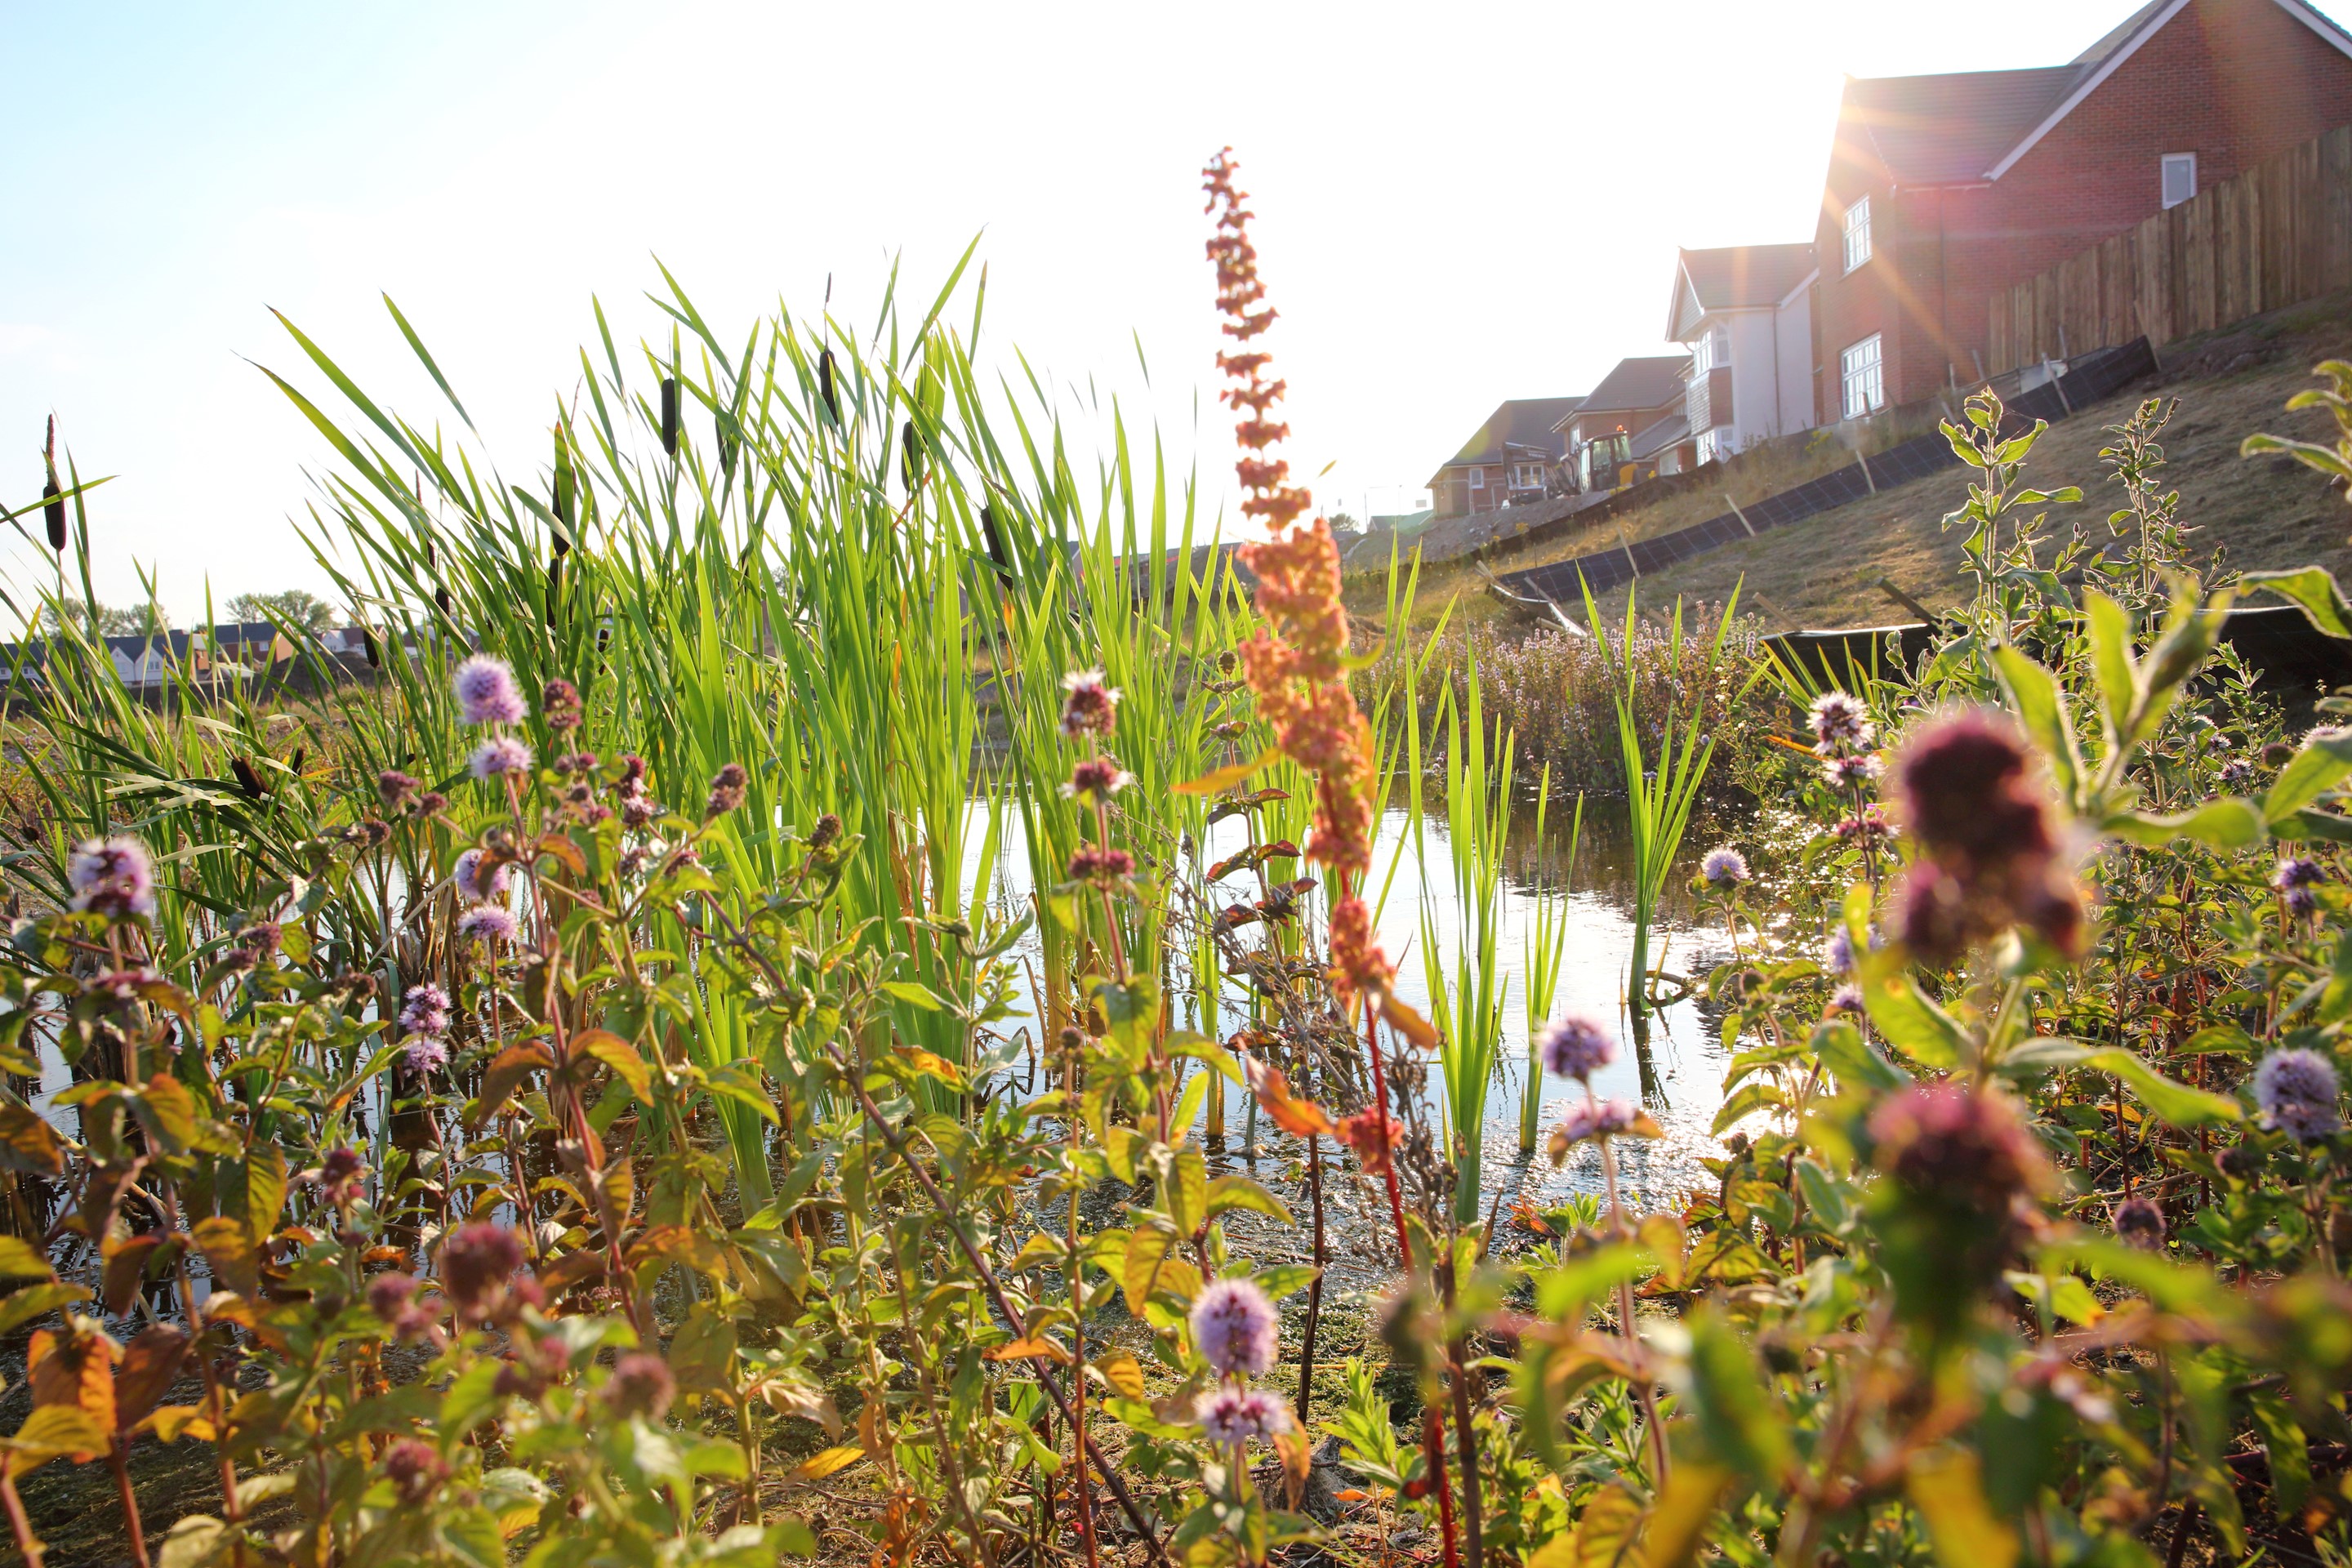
1403 522
1969 127
1648 382
1522 421
1736 278
1673 429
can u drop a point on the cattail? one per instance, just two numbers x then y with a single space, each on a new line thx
565 486
554 586
248 779
824 384
669 414
910 462
718 423
52 508
374 654
299 753
995 541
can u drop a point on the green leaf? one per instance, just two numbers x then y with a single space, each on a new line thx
23 1306
1746 1102
1911 1020
1854 1061
20 1259
2108 628
1946 1485
2224 824
2177 1103
1564 1294
2311 772
2314 588
1285 1279
1241 1193
916 996
2035 695
1737 1418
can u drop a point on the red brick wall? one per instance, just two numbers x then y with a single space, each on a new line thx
2234 81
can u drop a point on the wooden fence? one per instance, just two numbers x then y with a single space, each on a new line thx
2277 234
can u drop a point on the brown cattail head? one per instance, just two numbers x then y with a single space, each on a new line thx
248 779
566 487
52 511
669 414
910 457
374 654
995 541
554 587
824 384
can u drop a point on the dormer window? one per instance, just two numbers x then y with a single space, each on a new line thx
1712 351
2177 172
1857 234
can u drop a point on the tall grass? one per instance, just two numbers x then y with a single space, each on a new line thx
1544 954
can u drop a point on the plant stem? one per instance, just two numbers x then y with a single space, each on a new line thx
117 1460
1315 1290
27 1544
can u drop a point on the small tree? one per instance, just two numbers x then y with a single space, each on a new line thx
295 607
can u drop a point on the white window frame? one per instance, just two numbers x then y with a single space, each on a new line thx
1718 355
1861 377
1857 234
2164 168
1527 475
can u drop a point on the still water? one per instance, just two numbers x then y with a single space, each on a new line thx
1685 1055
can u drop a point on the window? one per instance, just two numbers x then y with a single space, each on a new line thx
1714 445
1712 349
2180 173
1528 477
1857 234
1859 373
1477 478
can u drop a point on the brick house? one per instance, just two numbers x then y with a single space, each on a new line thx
1942 189
1510 457
1745 314
1636 403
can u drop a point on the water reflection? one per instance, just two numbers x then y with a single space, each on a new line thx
1679 1073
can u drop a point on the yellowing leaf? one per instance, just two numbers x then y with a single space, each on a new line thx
1027 1350
628 1064
820 1465
1223 779
1119 1370
1947 1489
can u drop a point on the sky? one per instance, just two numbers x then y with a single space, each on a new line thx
1456 205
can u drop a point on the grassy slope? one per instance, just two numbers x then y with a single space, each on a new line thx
1823 572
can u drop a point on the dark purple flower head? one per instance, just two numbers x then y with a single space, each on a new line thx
263 936
2140 1222
726 790
112 877
1103 867
1089 705
1846 1001
424 1010
641 1385
393 1298
2237 774
395 788
2297 1091
1576 1045
576 764
1096 779
478 1266
487 692
1963 782
425 1052
1957 1146
2298 871
1234 1327
1239 1415
561 705
2277 754
341 1165
415 1469
638 811
432 802
827 829
1869 825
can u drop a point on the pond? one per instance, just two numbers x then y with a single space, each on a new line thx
1679 1074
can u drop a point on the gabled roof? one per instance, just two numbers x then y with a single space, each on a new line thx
1736 278
1526 423
1673 430
1969 127
1648 382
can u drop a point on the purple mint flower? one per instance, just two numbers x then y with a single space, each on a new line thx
641 1385
424 1010
1235 1326
112 877
2296 1089
1576 1045
1596 1118
425 1052
1837 956
1090 706
1724 867
487 692
1839 722
1853 772
2139 1222
1238 1414
1846 999
2237 772
489 924
475 886
2298 871
498 754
